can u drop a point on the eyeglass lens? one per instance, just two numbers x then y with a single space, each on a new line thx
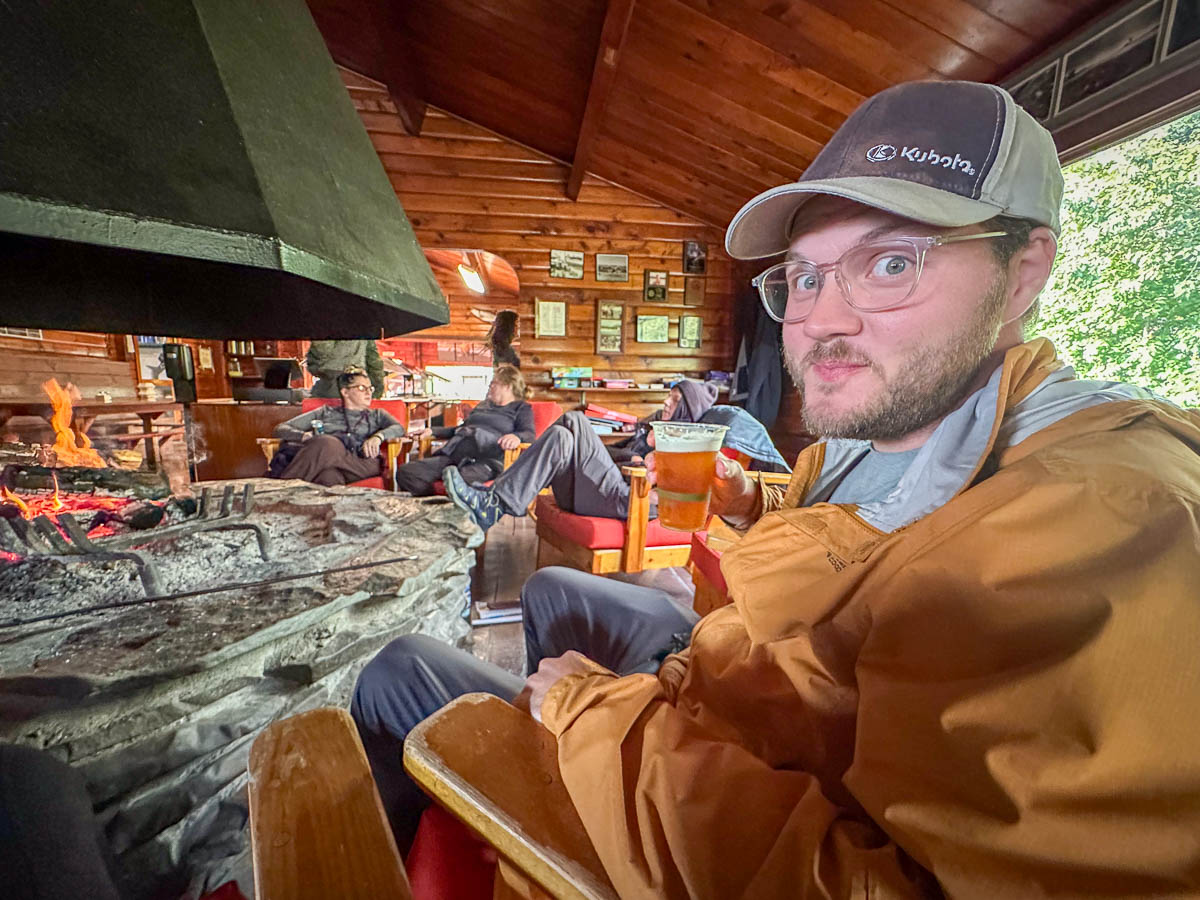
875 277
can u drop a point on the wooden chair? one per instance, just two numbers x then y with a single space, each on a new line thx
318 829
545 414
603 545
392 454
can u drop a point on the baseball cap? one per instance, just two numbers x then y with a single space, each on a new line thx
945 153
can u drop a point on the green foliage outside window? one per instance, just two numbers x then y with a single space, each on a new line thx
1124 303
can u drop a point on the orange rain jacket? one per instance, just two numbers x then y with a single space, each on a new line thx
1000 699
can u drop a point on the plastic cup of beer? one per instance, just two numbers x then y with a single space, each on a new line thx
686 458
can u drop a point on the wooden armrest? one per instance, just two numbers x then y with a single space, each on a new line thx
425 446
269 446
510 456
492 766
637 521
395 453
317 826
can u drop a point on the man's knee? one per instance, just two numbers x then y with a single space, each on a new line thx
392 669
552 588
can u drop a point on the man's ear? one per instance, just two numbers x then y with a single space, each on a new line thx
1028 272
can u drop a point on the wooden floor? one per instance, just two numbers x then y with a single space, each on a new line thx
509 557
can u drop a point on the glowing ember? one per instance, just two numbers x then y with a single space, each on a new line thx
71 452
50 505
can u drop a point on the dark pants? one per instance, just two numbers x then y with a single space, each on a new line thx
324 459
573 462
619 625
418 476
51 846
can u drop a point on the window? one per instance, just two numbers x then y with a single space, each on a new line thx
31 333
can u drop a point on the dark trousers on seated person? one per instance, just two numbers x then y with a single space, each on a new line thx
621 626
573 462
418 476
325 460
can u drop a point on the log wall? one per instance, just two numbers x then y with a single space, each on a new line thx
465 188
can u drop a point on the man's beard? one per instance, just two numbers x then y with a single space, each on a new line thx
928 386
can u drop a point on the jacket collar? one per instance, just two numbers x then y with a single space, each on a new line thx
1029 391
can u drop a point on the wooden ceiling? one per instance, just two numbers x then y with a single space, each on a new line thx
697 104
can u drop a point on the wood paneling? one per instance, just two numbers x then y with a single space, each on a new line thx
705 103
81 358
465 188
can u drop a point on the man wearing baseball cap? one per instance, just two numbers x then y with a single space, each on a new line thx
960 654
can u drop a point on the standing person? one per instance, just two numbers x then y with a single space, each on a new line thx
326 360
584 474
960 655
501 422
346 448
506 328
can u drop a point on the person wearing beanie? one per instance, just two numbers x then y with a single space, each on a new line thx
960 654
573 462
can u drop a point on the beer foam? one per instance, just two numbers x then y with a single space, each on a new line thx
687 437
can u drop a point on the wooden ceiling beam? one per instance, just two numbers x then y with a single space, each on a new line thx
397 68
604 72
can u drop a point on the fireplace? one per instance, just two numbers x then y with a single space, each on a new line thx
267 598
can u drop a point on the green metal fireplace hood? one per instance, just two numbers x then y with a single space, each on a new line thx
194 168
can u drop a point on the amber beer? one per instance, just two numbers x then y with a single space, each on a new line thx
686 458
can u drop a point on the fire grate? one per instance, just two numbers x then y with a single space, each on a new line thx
42 538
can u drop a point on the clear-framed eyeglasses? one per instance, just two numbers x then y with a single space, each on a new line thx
874 277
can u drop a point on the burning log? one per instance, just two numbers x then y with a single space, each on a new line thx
87 480
15 453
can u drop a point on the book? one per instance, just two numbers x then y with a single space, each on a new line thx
599 412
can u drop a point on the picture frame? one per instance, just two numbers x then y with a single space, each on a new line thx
695 258
693 292
653 329
566 264
691 330
610 327
550 318
654 285
612 267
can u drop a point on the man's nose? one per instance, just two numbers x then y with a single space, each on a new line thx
831 315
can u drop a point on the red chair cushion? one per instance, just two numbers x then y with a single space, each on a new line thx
545 414
598 533
376 482
448 861
708 561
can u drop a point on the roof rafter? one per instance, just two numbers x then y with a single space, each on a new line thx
604 72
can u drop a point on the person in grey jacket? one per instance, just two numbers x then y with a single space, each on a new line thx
327 360
344 446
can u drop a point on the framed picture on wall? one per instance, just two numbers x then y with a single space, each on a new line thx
695 258
654 286
610 327
612 267
653 329
566 263
690 330
550 318
693 292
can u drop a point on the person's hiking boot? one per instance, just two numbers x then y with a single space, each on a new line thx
483 506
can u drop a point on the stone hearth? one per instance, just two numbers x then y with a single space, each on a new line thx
156 703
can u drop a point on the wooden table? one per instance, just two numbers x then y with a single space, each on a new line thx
153 433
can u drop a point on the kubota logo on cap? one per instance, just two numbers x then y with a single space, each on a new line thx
881 153
885 152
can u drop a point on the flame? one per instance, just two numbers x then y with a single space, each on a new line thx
69 451
16 501
56 502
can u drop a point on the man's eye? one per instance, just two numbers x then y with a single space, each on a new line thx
890 266
804 281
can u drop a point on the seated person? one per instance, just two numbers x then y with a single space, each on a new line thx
573 462
501 422
344 447
960 655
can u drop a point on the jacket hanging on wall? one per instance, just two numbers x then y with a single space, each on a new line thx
758 380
